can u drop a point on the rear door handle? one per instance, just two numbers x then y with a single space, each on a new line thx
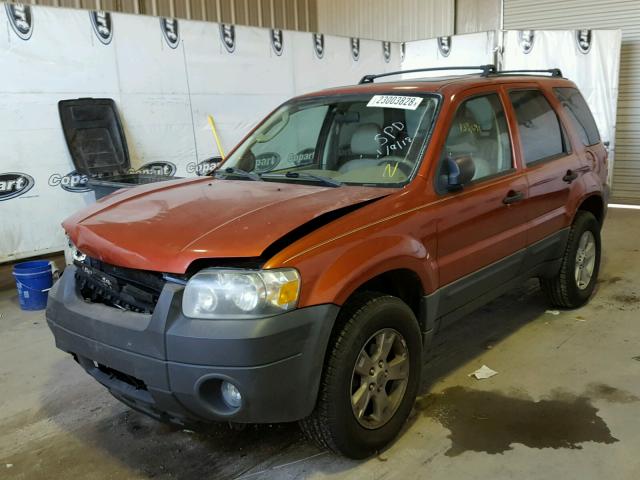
512 197
570 176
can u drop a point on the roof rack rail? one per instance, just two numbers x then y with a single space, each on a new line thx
485 69
555 72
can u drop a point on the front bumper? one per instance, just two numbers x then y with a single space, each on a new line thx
170 366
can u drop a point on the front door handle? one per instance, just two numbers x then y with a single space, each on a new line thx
570 176
512 197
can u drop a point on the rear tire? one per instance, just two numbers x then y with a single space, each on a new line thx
367 322
573 285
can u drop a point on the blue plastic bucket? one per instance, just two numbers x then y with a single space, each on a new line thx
33 280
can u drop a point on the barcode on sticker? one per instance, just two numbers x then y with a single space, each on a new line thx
395 101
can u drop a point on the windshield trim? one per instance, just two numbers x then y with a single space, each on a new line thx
345 97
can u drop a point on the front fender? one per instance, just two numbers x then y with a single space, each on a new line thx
333 274
393 233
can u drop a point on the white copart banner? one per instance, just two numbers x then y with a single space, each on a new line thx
472 49
164 95
36 74
595 71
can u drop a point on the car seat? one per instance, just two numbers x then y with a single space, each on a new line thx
465 139
364 146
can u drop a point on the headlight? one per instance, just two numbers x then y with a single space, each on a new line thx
219 293
71 252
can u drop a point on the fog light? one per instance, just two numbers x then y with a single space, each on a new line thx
231 394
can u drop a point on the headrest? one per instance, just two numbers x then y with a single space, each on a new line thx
364 140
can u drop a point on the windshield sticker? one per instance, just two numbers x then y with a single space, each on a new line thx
395 101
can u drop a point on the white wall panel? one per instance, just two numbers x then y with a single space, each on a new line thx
595 72
163 95
35 75
470 49
398 21
49 47
600 14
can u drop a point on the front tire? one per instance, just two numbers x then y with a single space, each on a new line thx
573 285
370 379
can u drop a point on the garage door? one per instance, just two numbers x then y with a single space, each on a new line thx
603 14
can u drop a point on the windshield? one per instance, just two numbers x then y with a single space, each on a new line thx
357 140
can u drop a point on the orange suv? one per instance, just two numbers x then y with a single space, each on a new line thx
305 277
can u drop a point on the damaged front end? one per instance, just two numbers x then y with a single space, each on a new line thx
139 290
123 288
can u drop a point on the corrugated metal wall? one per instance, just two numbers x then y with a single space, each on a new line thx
477 15
287 14
624 14
399 20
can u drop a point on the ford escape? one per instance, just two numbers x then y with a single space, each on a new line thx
304 278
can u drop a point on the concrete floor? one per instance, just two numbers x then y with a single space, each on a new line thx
565 403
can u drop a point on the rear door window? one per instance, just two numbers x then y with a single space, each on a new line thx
576 107
540 131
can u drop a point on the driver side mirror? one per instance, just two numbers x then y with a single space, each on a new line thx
459 171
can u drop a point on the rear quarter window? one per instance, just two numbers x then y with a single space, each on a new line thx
576 107
540 131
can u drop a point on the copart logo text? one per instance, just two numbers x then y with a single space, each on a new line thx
205 167
159 168
14 184
73 182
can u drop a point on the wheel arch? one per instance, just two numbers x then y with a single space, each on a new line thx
593 204
403 283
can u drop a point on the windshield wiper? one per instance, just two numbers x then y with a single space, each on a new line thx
329 182
242 173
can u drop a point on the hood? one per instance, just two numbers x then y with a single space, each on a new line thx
166 226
